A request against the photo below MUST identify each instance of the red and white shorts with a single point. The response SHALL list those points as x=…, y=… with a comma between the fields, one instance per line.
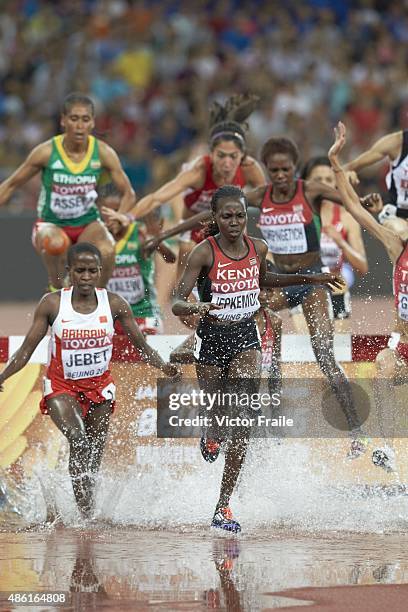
x=72, y=231
x=93, y=391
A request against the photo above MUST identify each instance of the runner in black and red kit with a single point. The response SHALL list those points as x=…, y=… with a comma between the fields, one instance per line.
x=229, y=268
x=290, y=223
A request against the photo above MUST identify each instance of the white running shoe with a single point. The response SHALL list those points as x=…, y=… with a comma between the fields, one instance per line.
x=384, y=458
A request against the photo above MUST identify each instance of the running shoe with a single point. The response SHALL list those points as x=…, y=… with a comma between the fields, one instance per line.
x=358, y=447
x=223, y=520
x=384, y=458
x=210, y=449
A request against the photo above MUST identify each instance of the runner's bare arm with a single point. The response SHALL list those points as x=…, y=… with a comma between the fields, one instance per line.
x=111, y=162
x=200, y=257
x=272, y=279
x=123, y=313
x=154, y=224
x=317, y=192
x=391, y=241
x=44, y=314
x=184, y=180
x=256, y=196
x=387, y=146
x=254, y=175
x=35, y=161
x=192, y=177
x=353, y=248
x=192, y=223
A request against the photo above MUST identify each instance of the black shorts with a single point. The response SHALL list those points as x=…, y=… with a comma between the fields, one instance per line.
x=218, y=345
x=341, y=305
x=295, y=294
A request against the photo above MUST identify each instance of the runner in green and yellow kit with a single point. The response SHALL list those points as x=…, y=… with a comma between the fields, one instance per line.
x=133, y=275
x=71, y=165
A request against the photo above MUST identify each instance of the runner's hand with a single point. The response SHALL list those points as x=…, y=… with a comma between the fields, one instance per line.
x=112, y=216
x=373, y=203
x=353, y=177
x=337, y=146
x=332, y=281
x=203, y=308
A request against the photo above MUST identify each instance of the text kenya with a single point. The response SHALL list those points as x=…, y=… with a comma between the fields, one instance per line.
x=235, y=275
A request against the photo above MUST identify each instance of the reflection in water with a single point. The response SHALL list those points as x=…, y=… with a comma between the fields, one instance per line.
x=117, y=569
x=225, y=552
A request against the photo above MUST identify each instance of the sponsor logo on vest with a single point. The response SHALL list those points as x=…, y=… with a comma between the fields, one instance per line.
x=127, y=272
x=282, y=218
x=69, y=344
x=403, y=286
x=57, y=165
x=220, y=265
x=95, y=164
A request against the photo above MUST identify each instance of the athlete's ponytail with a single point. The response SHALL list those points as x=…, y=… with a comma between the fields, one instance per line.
x=228, y=121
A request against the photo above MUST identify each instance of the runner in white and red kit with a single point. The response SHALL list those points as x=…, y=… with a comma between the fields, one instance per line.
x=79, y=392
x=229, y=269
x=227, y=163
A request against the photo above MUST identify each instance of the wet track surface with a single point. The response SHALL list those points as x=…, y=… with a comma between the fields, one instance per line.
x=115, y=568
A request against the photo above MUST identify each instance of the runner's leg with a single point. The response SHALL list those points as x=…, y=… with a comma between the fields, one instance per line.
x=66, y=413
x=97, y=234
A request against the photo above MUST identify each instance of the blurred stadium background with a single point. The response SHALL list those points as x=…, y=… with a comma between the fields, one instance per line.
x=153, y=67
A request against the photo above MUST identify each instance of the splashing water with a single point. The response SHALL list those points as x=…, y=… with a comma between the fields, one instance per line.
x=277, y=489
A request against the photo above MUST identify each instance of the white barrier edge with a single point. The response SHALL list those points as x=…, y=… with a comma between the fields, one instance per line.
x=295, y=347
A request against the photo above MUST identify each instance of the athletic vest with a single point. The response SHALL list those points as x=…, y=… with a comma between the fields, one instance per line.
x=397, y=179
x=133, y=276
x=400, y=284
x=232, y=283
x=198, y=200
x=81, y=344
x=68, y=190
x=289, y=227
x=330, y=252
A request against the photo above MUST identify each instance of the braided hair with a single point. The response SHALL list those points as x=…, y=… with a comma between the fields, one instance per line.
x=228, y=121
x=226, y=191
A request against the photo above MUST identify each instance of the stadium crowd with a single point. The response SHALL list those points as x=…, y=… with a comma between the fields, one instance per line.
x=153, y=68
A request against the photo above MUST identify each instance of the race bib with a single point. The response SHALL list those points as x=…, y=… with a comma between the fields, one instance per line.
x=403, y=306
x=67, y=203
x=235, y=306
x=131, y=287
x=85, y=357
x=286, y=239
